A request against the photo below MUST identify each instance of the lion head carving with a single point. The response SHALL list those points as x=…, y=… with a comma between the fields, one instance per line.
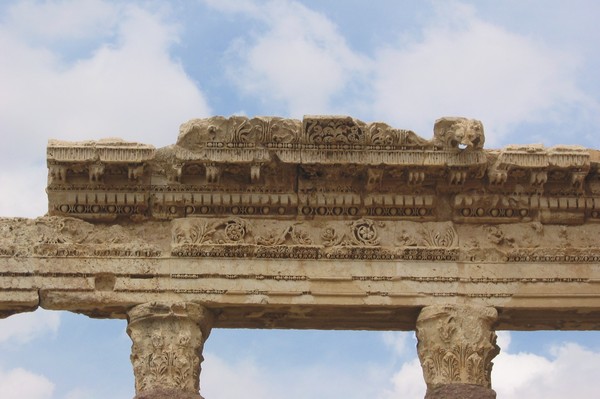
x=457, y=132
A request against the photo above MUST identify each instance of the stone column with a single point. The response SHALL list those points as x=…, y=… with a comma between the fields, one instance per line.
x=167, y=348
x=456, y=345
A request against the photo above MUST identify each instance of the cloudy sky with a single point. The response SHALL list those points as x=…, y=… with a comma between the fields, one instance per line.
x=89, y=69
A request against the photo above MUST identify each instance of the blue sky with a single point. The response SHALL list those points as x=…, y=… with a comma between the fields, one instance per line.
x=89, y=69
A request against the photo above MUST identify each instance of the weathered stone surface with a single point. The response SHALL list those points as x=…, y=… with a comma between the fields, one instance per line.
x=323, y=167
x=456, y=344
x=167, y=394
x=167, y=348
x=328, y=222
x=455, y=132
x=460, y=391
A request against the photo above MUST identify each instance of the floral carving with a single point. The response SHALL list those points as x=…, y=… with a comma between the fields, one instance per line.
x=434, y=235
x=293, y=233
x=235, y=230
x=266, y=130
x=457, y=344
x=364, y=232
x=446, y=238
x=167, y=345
x=330, y=237
x=382, y=134
x=199, y=233
x=327, y=130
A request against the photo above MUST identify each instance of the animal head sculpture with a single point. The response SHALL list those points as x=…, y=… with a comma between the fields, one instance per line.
x=457, y=132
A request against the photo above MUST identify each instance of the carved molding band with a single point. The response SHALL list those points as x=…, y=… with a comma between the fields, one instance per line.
x=323, y=167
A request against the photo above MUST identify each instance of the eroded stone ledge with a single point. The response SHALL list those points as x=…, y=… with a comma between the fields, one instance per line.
x=332, y=167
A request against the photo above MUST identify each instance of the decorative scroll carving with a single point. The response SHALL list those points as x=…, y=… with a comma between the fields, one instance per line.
x=333, y=130
x=442, y=238
x=457, y=344
x=309, y=239
x=382, y=135
x=229, y=231
x=292, y=233
x=211, y=132
x=441, y=235
x=167, y=346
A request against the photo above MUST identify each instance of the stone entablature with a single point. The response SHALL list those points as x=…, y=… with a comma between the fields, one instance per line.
x=324, y=167
x=369, y=274
x=326, y=223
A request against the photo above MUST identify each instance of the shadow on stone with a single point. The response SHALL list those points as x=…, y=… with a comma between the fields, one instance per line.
x=167, y=394
x=460, y=391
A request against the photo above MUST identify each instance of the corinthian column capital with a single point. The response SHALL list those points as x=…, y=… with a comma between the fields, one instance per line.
x=167, y=348
x=456, y=345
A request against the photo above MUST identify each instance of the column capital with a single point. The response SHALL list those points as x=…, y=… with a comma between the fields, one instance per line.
x=456, y=345
x=168, y=339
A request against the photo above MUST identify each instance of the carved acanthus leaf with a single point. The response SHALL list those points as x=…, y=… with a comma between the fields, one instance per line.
x=457, y=344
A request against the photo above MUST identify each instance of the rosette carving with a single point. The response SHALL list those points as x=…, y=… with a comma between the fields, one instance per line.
x=363, y=232
x=235, y=230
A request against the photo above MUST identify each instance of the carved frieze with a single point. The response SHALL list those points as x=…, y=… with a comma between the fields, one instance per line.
x=359, y=239
x=61, y=237
x=246, y=237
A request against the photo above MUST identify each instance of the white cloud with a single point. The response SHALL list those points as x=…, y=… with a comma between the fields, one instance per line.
x=407, y=383
x=466, y=66
x=571, y=373
x=458, y=64
x=19, y=384
x=402, y=342
x=300, y=61
x=128, y=86
x=26, y=197
x=60, y=20
x=250, y=379
x=221, y=380
x=24, y=327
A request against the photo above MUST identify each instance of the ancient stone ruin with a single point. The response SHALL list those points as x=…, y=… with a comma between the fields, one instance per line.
x=326, y=223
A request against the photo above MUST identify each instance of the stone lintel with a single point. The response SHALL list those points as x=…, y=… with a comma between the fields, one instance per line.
x=327, y=293
x=14, y=301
